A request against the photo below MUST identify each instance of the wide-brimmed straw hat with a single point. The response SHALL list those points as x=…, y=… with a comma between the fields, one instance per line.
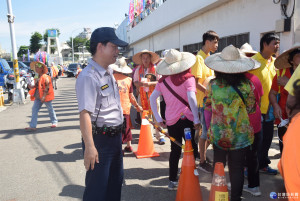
x=121, y=66
x=282, y=61
x=230, y=60
x=247, y=49
x=175, y=62
x=137, y=58
x=40, y=65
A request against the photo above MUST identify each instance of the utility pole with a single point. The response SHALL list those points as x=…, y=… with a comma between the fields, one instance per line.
x=18, y=95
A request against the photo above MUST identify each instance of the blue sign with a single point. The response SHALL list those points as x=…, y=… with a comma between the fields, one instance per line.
x=52, y=33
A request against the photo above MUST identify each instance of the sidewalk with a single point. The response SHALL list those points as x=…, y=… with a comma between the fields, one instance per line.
x=48, y=164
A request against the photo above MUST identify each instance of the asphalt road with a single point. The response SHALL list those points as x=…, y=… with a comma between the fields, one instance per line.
x=48, y=164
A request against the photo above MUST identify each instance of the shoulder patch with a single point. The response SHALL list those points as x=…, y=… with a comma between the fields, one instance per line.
x=104, y=87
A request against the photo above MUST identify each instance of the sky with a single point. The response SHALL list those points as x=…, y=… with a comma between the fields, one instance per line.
x=66, y=15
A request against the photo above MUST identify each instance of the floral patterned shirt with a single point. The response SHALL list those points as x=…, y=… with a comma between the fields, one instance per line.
x=230, y=127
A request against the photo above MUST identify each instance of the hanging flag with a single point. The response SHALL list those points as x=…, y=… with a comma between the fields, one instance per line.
x=23, y=57
x=28, y=54
x=131, y=12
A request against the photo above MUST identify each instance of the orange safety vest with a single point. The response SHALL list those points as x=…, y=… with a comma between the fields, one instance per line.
x=78, y=71
x=124, y=84
x=146, y=95
x=42, y=86
x=54, y=71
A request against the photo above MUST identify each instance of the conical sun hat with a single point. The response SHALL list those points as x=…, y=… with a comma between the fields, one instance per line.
x=121, y=66
x=230, y=60
x=39, y=64
x=282, y=61
x=175, y=62
x=137, y=58
x=249, y=52
x=247, y=49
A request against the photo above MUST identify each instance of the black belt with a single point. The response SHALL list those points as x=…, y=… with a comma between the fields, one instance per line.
x=109, y=130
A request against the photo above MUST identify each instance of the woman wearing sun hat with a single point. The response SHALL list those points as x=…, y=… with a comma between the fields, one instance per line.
x=286, y=63
x=121, y=70
x=41, y=93
x=146, y=60
x=181, y=104
x=231, y=99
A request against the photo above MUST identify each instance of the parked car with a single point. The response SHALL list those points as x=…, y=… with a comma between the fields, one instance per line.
x=72, y=69
x=4, y=70
x=27, y=63
x=22, y=66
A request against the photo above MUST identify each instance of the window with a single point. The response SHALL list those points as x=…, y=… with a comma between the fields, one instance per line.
x=235, y=40
x=192, y=47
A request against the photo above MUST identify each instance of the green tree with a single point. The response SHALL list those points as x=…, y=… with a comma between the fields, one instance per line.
x=35, y=42
x=88, y=46
x=45, y=37
x=22, y=50
x=77, y=42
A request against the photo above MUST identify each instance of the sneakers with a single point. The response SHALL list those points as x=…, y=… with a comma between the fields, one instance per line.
x=128, y=149
x=268, y=170
x=206, y=167
x=209, y=160
x=30, y=129
x=53, y=126
x=162, y=141
x=173, y=185
x=254, y=191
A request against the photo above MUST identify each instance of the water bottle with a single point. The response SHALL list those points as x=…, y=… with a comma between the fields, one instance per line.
x=187, y=134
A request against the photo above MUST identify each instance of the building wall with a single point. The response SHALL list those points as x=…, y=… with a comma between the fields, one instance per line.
x=165, y=29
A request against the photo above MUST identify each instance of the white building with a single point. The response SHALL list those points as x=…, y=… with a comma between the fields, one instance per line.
x=85, y=34
x=181, y=24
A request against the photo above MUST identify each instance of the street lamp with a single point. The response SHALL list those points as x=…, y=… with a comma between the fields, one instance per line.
x=73, y=45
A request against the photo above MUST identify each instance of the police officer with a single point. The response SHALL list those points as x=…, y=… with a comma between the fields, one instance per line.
x=101, y=119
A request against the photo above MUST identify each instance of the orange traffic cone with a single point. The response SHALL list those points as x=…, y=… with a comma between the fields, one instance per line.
x=146, y=146
x=219, y=190
x=189, y=186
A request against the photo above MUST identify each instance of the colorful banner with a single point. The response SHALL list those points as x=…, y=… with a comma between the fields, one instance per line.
x=28, y=54
x=131, y=12
x=23, y=57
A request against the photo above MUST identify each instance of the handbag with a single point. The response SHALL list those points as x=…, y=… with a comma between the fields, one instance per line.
x=176, y=95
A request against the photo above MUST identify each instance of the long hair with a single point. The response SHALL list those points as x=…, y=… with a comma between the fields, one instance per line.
x=234, y=79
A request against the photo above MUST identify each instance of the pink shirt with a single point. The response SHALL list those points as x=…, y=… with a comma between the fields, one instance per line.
x=255, y=118
x=174, y=107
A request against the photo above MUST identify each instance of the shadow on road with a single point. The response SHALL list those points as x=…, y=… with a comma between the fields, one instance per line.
x=62, y=157
x=73, y=191
x=74, y=146
x=20, y=132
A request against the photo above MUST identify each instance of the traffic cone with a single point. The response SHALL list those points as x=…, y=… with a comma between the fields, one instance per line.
x=146, y=146
x=1, y=97
x=188, y=186
x=219, y=190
